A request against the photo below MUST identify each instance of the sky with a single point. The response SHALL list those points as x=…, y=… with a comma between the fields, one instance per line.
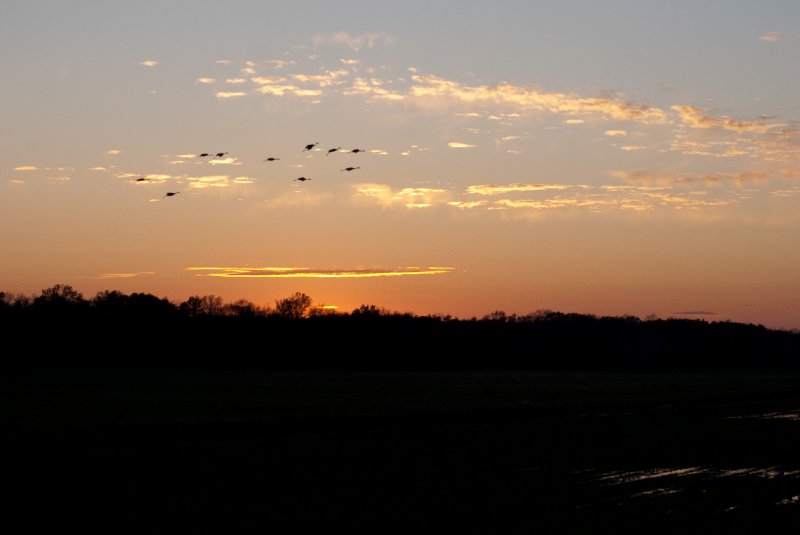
x=608, y=158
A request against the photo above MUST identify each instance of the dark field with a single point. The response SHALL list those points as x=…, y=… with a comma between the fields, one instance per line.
x=484, y=452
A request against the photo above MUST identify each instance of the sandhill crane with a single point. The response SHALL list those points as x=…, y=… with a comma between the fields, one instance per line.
x=140, y=179
x=302, y=179
x=221, y=154
x=171, y=193
x=333, y=150
x=310, y=146
x=350, y=169
x=271, y=159
x=203, y=154
x=357, y=150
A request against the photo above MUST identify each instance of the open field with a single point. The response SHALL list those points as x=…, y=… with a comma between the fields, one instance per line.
x=173, y=451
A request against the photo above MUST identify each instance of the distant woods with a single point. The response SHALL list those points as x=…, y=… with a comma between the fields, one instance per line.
x=62, y=328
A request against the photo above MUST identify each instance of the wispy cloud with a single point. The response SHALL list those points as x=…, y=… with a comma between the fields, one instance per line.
x=531, y=99
x=315, y=273
x=696, y=117
x=354, y=42
x=230, y=94
x=26, y=168
x=236, y=81
x=492, y=189
x=769, y=37
x=206, y=80
x=671, y=179
x=279, y=63
x=124, y=275
x=216, y=181
x=615, y=133
x=149, y=63
x=386, y=196
x=459, y=145
x=113, y=152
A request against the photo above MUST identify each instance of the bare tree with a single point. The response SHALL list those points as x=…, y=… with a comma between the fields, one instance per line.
x=294, y=306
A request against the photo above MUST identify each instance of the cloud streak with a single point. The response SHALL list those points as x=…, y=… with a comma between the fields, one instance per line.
x=313, y=273
x=354, y=42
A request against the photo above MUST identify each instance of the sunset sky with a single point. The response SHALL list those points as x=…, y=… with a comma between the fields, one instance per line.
x=616, y=157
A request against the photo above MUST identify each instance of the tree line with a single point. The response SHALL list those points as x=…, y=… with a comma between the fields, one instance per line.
x=60, y=327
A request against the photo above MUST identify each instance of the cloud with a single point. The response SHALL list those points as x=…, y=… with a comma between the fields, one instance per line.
x=574, y=121
x=278, y=63
x=113, y=152
x=26, y=168
x=769, y=37
x=491, y=189
x=223, y=62
x=324, y=80
x=235, y=81
x=631, y=148
x=124, y=275
x=315, y=273
x=98, y=168
x=531, y=99
x=16, y=181
x=615, y=133
x=458, y=145
x=223, y=161
x=230, y=94
x=206, y=80
x=696, y=117
x=149, y=63
x=671, y=179
x=385, y=196
x=354, y=42
x=203, y=182
x=349, y=61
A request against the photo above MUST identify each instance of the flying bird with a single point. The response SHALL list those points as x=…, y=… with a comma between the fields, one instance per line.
x=333, y=150
x=221, y=154
x=310, y=146
x=203, y=154
x=140, y=179
x=271, y=159
x=302, y=179
x=171, y=193
x=350, y=168
x=357, y=150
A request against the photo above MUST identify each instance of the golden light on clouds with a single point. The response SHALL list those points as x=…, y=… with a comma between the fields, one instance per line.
x=386, y=196
x=105, y=276
x=113, y=152
x=230, y=94
x=492, y=189
x=149, y=63
x=206, y=80
x=312, y=273
x=771, y=37
x=459, y=145
x=26, y=168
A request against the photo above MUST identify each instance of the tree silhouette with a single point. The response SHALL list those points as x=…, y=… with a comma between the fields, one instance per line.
x=207, y=305
x=293, y=307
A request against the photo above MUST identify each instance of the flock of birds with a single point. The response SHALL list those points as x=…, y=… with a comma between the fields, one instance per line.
x=308, y=148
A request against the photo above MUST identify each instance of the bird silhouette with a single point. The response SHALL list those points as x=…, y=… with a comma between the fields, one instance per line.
x=350, y=168
x=140, y=179
x=357, y=150
x=171, y=193
x=310, y=146
x=221, y=154
x=333, y=150
x=203, y=154
x=302, y=179
x=271, y=159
